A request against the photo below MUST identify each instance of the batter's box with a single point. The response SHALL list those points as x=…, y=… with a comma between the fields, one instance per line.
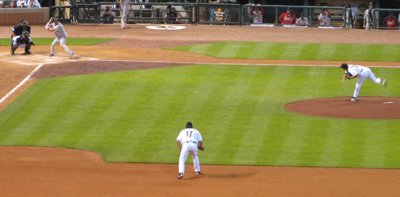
x=40, y=58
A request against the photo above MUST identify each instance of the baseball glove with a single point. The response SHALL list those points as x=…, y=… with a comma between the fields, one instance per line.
x=200, y=148
x=348, y=75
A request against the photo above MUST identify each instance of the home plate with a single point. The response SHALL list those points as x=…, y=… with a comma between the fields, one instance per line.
x=388, y=102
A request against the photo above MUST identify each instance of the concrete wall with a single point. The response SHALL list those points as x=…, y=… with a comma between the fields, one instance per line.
x=35, y=16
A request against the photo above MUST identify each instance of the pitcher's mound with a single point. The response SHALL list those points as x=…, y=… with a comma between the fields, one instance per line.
x=341, y=107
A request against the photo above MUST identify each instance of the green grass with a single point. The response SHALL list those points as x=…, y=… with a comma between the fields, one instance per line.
x=71, y=41
x=297, y=51
x=135, y=116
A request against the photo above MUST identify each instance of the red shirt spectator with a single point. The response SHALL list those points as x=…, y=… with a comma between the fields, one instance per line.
x=287, y=18
x=391, y=21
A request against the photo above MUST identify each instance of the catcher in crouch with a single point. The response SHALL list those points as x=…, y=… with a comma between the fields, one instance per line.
x=361, y=72
x=61, y=36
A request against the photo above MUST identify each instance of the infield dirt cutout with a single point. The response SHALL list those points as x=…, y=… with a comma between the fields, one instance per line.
x=341, y=107
x=35, y=171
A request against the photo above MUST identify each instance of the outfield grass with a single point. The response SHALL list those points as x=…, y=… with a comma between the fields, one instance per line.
x=135, y=116
x=297, y=51
x=71, y=41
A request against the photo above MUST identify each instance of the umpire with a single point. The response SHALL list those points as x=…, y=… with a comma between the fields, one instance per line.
x=21, y=27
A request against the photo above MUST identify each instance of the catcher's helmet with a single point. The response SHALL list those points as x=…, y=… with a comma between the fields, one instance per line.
x=189, y=125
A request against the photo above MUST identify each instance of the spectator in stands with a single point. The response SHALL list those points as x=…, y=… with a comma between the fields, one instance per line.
x=124, y=7
x=398, y=18
x=12, y=4
x=369, y=17
x=391, y=21
x=21, y=4
x=302, y=21
x=324, y=18
x=1, y=4
x=348, y=17
x=212, y=10
x=354, y=12
x=172, y=14
x=108, y=15
x=287, y=18
x=33, y=4
x=257, y=14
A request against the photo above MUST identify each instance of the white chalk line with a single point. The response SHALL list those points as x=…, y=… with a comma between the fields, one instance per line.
x=5, y=97
x=237, y=63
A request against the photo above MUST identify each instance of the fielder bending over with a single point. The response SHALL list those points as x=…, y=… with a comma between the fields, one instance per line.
x=190, y=141
x=61, y=36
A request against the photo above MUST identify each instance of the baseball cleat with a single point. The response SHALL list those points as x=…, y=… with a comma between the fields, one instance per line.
x=180, y=175
x=51, y=55
x=71, y=56
x=353, y=99
x=198, y=173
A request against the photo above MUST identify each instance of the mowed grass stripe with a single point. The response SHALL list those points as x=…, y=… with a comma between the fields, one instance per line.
x=374, y=146
x=237, y=119
x=246, y=154
x=310, y=52
x=119, y=145
x=194, y=101
x=258, y=51
x=57, y=109
x=353, y=147
x=229, y=51
x=275, y=132
x=88, y=115
x=298, y=128
x=306, y=51
x=40, y=108
x=172, y=103
x=293, y=52
x=216, y=121
x=95, y=133
x=68, y=116
x=392, y=148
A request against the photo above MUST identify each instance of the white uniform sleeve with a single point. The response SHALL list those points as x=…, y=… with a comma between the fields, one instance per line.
x=180, y=136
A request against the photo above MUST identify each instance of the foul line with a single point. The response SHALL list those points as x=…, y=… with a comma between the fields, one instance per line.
x=20, y=84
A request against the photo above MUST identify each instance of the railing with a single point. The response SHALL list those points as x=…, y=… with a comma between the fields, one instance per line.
x=218, y=14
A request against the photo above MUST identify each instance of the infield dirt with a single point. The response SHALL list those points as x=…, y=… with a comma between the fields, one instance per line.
x=29, y=171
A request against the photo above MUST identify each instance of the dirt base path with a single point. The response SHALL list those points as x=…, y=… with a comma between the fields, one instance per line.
x=27, y=171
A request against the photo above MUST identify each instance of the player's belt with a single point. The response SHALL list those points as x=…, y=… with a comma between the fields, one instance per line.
x=191, y=141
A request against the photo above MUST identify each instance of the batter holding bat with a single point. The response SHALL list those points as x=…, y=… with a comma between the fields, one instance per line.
x=61, y=36
x=190, y=141
x=361, y=72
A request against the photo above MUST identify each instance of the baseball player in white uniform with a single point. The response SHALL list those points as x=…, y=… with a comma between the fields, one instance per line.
x=360, y=72
x=124, y=7
x=190, y=141
x=61, y=36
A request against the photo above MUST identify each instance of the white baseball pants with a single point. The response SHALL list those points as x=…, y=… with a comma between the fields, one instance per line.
x=124, y=17
x=189, y=147
x=366, y=73
x=62, y=41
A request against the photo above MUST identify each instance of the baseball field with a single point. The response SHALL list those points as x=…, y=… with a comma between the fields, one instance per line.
x=270, y=103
